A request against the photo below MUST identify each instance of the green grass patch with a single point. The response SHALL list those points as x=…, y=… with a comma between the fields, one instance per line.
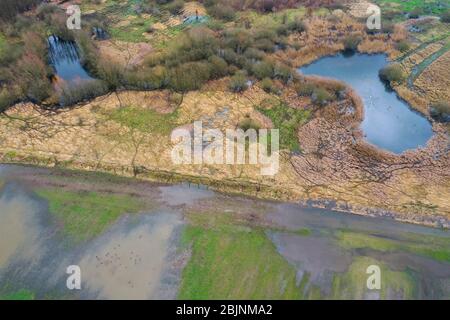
x=437, y=248
x=353, y=283
x=84, y=215
x=287, y=120
x=22, y=294
x=235, y=262
x=304, y=232
x=144, y=120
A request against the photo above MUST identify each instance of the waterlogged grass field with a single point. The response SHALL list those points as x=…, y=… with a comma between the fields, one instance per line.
x=235, y=263
x=85, y=215
x=353, y=284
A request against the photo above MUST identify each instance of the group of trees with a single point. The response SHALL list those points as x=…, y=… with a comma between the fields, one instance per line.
x=24, y=69
x=201, y=54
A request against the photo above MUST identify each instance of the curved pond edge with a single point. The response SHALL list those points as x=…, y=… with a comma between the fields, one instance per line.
x=436, y=127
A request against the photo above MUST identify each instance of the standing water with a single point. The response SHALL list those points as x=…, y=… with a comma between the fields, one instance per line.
x=389, y=122
x=65, y=58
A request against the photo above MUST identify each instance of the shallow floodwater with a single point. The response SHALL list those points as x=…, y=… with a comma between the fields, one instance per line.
x=389, y=122
x=65, y=58
x=141, y=256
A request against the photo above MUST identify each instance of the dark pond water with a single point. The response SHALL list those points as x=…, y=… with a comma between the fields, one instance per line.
x=389, y=122
x=65, y=58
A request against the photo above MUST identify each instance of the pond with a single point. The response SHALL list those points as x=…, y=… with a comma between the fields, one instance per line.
x=65, y=59
x=389, y=122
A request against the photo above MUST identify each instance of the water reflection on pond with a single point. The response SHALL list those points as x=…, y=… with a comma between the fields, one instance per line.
x=65, y=58
x=388, y=122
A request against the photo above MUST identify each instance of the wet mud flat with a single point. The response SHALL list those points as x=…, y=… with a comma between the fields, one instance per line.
x=145, y=255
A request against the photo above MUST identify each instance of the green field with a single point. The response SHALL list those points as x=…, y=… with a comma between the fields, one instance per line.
x=235, y=263
x=84, y=215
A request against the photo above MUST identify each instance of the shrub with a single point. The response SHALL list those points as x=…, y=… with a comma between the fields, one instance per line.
x=268, y=86
x=33, y=77
x=402, y=46
x=254, y=54
x=440, y=111
x=189, y=76
x=85, y=90
x=199, y=43
x=263, y=69
x=445, y=17
x=297, y=25
x=321, y=96
x=265, y=45
x=146, y=79
x=392, y=73
x=88, y=52
x=7, y=98
x=219, y=67
x=351, y=42
x=222, y=12
x=283, y=72
x=238, y=40
x=238, y=82
x=305, y=89
x=175, y=6
x=112, y=74
x=248, y=123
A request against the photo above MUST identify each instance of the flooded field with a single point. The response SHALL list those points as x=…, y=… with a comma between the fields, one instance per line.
x=137, y=240
x=65, y=59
